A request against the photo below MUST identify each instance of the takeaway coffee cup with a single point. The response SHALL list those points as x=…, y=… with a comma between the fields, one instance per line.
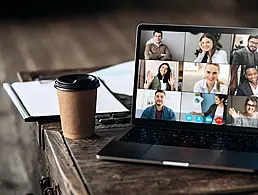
x=77, y=96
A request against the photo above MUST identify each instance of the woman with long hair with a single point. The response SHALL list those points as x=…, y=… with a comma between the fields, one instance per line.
x=211, y=82
x=249, y=118
x=217, y=111
x=164, y=80
x=208, y=52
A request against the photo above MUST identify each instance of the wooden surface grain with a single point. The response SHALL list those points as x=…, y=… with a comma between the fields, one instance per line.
x=107, y=177
x=61, y=167
x=110, y=177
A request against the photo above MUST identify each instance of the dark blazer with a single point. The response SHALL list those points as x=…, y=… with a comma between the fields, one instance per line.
x=244, y=89
x=212, y=110
x=240, y=57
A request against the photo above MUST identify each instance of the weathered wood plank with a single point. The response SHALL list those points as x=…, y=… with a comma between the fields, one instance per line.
x=61, y=167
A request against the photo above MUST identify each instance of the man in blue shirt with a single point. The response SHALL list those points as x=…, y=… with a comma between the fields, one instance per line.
x=159, y=111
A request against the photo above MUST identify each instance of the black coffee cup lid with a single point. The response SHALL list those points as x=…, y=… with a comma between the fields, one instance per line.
x=76, y=82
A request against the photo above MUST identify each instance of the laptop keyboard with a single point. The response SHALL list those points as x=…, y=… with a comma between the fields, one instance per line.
x=204, y=140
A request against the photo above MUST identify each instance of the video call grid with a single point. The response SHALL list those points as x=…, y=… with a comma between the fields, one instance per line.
x=233, y=38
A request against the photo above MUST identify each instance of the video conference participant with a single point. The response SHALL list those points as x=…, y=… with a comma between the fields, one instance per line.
x=159, y=111
x=164, y=80
x=209, y=53
x=249, y=87
x=247, y=56
x=218, y=109
x=155, y=49
x=247, y=119
x=211, y=83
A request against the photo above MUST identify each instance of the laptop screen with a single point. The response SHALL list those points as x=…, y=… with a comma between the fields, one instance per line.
x=197, y=75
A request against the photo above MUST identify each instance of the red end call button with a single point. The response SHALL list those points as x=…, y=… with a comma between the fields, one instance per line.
x=219, y=120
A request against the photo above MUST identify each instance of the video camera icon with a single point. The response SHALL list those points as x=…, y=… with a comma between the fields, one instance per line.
x=208, y=119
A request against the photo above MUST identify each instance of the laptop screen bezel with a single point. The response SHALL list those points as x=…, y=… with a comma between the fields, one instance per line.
x=191, y=29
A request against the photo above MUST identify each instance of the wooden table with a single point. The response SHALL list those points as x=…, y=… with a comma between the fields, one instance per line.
x=73, y=168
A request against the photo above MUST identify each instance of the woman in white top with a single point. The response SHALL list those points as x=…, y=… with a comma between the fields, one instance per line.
x=211, y=83
x=217, y=111
x=247, y=119
x=209, y=53
x=164, y=80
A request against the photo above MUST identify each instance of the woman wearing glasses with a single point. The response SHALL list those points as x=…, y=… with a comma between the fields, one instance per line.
x=247, y=119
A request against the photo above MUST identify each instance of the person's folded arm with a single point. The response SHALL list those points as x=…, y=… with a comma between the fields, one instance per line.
x=148, y=55
x=168, y=55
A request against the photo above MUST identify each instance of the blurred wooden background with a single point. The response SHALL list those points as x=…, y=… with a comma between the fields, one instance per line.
x=70, y=34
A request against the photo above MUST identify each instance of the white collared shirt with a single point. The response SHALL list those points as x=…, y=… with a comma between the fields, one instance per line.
x=255, y=91
x=201, y=87
x=153, y=41
x=160, y=43
x=219, y=57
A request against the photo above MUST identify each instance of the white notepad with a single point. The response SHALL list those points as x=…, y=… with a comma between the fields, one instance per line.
x=38, y=99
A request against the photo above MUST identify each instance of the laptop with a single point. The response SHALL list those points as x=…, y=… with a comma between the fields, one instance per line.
x=194, y=99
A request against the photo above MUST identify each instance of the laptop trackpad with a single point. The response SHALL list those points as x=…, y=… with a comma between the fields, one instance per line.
x=124, y=150
x=180, y=154
x=240, y=160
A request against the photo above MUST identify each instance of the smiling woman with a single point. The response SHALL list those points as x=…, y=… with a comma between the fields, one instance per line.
x=249, y=118
x=211, y=83
x=164, y=80
x=208, y=52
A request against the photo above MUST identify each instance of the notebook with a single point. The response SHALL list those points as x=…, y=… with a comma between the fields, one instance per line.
x=37, y=100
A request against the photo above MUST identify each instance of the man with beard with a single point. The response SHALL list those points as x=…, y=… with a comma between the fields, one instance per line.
x=155, y=49
x=247, y=56
x=249, y=86
x=159, y=111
